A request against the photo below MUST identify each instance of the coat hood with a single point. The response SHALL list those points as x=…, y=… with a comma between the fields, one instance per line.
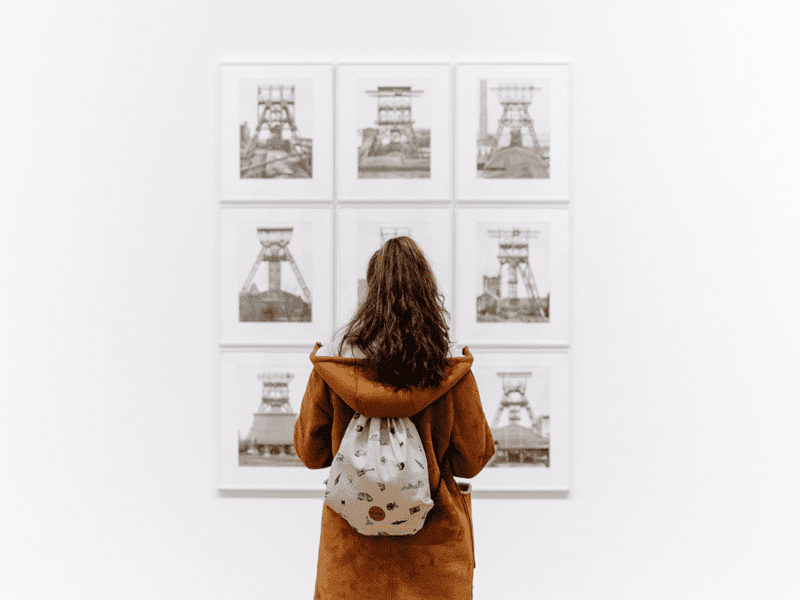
x=346, y=377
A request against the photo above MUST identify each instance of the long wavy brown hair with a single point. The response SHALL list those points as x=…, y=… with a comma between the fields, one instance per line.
x=400, y=326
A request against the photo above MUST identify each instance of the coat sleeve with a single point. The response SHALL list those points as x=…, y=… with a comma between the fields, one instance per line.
x=312, y=430
x=471, y=440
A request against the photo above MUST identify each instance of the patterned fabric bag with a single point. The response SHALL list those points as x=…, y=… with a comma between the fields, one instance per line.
x=378, y=481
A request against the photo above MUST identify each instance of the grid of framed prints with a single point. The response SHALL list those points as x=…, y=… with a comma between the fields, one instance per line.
x=320, y=165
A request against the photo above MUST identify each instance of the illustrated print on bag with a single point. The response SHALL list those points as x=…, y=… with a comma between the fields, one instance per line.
x=412, y=486
x=365, y=496
x=335, y=481
x=350, y=479
x=401, y=466
x=421, y=466
x=413, y=510
x=382, y=486
x=359, y=428
x=360, y=452
x=340, y=457
x=369, y=522
x=356, y=416
x=399, y=522
x=383, y=460
x=391, y=429
x=373, y=437
x=360, y=472
x=392, y=505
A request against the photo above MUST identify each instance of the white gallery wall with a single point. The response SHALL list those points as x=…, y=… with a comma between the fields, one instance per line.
x=685, y=383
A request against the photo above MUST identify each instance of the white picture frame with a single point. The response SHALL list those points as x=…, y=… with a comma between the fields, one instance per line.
x=254, y=435
x=378, y=157
x=361, y=230
x=512, y=131
x=502, y=302
x=262, y=159
x=262, y=300
x=529, y=455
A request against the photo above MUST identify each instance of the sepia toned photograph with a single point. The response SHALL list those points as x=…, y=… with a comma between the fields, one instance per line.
x=276, y=129
x=269, y=440
x=394, y=129
x=525, y=397
x=362, y=232
x=261, y=392
x=275, y=288
x=394, y=132
x=520, y=422
x=276, y=263
x=512, y=269
x=277, y=132
x=513, y=140
x=513, y=272
x=512, y=132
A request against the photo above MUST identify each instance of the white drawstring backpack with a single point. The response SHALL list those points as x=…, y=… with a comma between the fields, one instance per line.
x=378, y=481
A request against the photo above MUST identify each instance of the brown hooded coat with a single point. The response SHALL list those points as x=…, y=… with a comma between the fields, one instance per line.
x=436, y=563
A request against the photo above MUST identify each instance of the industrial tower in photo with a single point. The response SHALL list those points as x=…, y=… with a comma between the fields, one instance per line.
x=274, y=304
x=271, y=437
x=513, y=258
x=516, y=443
x=275, y=149
x=394, y=148
x=514, y=152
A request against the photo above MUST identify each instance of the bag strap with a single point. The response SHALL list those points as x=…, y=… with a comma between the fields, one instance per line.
x=445, y=457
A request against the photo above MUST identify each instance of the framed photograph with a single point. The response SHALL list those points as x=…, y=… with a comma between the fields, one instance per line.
x=361, y=231
x=275, y=280
x=525, y=397
x=260, y=397
x=393, y=132
x=512, y=132
x=512, y=267
x=277, y=132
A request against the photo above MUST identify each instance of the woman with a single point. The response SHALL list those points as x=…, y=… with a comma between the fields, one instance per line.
x=392, y=361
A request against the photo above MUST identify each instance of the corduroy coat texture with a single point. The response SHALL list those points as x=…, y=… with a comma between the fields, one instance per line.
x=437, y=562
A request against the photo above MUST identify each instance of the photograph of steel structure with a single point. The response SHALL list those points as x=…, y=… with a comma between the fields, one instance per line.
x=518, y=147
x=512, y=274
x=525, y=397
x=272, y=143
x=274, y=303
x=394, y=129
x=276, y=132
x=362, y=231
x=276, y=274
x=512, y=135
x=522, y=434
x=512, y=254
x=260, y=394
x=270, y=440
